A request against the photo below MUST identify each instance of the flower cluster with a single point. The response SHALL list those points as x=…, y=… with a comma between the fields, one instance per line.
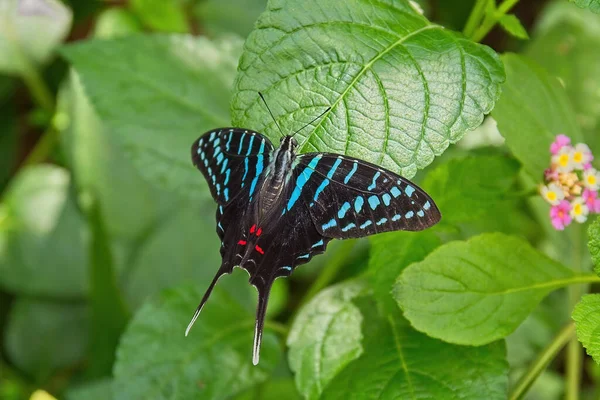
x=571, y=183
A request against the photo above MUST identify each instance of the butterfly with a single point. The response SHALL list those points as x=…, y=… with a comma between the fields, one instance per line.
x=276, y=209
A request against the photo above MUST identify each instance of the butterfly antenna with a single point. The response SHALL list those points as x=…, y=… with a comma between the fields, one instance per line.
x=220, y=273
x=320, y=115
x=274, y=120
x=261, y=313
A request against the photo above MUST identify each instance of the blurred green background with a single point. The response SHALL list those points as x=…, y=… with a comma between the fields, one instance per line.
x=73, y=206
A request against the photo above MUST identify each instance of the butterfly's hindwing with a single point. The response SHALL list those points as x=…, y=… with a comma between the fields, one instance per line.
x=349, y=198
x=231, y=160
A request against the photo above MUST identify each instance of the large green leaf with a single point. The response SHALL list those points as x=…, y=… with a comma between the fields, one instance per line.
x=43, y=336
x=156, y=361
x=157, y=94
x=42, y=235
x=478, y=291
x=533, y=109
x=30, y=31
x=587, y=322
x=131, y=207
x=400, y=88
x=593, y=5
x=567, y=44
x=390, y=254
x=401, y=363
x=325, y=337
x=467, y=189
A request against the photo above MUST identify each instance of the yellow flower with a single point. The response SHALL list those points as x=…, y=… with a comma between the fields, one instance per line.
x=579, y=210
x=591, y=179
x=552, y=193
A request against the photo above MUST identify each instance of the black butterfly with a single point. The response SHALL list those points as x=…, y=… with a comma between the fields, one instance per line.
x=277, y=209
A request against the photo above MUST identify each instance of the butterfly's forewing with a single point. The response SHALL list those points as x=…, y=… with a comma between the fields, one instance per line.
x=231, y=160
x=349, y=198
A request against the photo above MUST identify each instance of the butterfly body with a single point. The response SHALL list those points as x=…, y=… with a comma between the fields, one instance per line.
x=277, y=209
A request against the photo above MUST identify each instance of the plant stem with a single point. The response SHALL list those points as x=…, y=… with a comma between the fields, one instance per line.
x=492, y=19
x=574, y=355
x=542, y=361
x=43, y=147
x=37, y=87
x=477, y=14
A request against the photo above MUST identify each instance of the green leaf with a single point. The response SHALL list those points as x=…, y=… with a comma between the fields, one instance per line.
x=401, y=363
x=131, y=206
x=594, y=243
x=592, y=5
x=157, y=106
x=478, y=291
x=533, y=109
x=213, y=362
x=184, y=248
x=390, y=254
x=220, y=17
x=400, y=88
x=42, y=336
x=42, y=235
x=325, y=337
x=566, y=42
x=511, y=24
x=116, y=22
x=468, y=189
x=30, y=31
x=586, y=315
x=98, y=390
x=161, y=15
x=108, y=312
x=274, y=389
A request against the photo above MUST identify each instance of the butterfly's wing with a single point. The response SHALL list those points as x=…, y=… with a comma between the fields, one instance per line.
x=231, y=160
x=350, y=198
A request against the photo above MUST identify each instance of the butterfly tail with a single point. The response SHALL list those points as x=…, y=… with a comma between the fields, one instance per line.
x=222, y=271
x=261, y=312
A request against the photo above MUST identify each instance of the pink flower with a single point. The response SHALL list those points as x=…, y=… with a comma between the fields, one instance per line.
x=559, y=142
x=592, y=200
x=559, y=215
x=551, y=174
x=587, y=166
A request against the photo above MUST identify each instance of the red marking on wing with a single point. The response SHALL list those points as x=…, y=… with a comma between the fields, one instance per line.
x=253, y=228
x=242, y=242
x=259, y=231
x=260, y=250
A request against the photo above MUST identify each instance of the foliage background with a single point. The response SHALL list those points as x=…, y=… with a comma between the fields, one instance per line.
x=107, y=237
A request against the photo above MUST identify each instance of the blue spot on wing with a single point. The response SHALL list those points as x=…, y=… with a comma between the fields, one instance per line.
x=373, y=184
x=367, y=223
x=409, y=190
x=330, y=224
x=302, y=179
x=358, y=203
x=343, y=209
x=348, y=227
x=319, y=243
x=352, y=171
x=409, y=214
x=395, y=192
x=374, y=202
